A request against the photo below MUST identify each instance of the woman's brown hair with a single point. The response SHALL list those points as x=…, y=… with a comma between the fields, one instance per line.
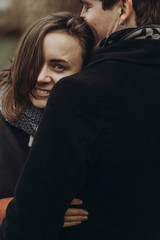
x=21, y=77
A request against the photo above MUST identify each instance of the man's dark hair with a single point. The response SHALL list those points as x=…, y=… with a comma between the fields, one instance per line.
x=147, y=11
x=108, y=3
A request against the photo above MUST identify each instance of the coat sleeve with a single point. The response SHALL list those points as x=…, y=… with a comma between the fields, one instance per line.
x=56, y=167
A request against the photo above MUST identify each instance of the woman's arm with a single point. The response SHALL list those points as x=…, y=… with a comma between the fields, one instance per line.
x=72, y=217
x=3, y=205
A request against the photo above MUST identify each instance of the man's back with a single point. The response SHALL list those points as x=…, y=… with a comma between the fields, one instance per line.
x=121, y=189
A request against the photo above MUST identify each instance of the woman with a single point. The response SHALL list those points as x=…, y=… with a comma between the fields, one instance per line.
x=53, y=47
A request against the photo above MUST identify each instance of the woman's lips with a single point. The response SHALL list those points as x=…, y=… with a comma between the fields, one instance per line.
x=40, y=92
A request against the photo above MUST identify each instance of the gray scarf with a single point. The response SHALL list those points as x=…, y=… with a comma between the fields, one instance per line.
x=29, y=120
x=144, y=32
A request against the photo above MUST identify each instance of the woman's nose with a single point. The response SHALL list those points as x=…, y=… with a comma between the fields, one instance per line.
x=44, y=75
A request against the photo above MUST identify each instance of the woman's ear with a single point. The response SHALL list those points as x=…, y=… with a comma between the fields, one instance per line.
x=126, y=10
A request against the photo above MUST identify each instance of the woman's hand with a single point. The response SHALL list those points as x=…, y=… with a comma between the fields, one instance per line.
x=3, y=205
x=75, y=216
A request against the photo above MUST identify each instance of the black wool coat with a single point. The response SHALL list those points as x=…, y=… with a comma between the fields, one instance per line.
x=13, y=153
x=99, y=140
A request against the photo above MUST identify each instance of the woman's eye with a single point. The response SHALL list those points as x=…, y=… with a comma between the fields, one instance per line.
x=59, y=67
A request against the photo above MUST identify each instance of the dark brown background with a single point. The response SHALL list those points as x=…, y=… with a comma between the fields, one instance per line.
x=17, y=15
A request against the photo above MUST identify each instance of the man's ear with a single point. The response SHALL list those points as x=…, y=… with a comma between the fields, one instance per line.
x=126, y=10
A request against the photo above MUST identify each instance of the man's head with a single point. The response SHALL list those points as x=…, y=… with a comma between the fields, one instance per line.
x=107, y=16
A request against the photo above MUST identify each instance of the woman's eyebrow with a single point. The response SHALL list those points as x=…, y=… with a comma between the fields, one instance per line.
x=57, y=60
x=61, y=61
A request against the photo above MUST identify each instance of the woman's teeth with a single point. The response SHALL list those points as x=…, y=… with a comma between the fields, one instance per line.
x=42, y=91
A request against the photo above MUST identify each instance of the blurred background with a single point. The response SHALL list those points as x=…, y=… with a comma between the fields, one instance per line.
x=17, y=15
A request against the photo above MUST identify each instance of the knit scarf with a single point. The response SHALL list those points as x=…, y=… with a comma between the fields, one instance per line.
x=29, y=120
x=144, y=32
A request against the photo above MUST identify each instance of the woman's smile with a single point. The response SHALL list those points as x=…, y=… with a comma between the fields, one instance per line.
x=40, y=93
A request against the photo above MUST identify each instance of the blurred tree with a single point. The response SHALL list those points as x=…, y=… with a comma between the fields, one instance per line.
x=30, y=10
x=17, y=15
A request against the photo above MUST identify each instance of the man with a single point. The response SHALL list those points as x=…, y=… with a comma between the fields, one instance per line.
x=101, y=141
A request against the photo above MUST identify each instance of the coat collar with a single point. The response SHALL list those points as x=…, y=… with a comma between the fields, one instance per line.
x=144, y=32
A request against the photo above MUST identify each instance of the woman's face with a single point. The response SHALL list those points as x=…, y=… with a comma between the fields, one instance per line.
x=62, y=57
